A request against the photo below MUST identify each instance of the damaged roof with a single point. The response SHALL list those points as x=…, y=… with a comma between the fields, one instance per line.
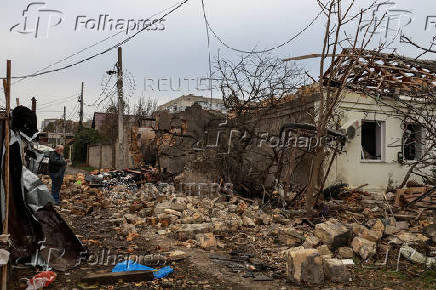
x=383, y=74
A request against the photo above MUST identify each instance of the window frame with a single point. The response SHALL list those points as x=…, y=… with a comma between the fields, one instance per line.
x=421, y=137
x=382, y=142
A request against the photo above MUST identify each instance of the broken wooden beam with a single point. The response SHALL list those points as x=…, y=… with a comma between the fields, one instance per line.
x=112, y=277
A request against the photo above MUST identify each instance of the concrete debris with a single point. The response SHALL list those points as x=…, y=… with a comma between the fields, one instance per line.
x=395, y=227
x=370, y=235
x=311, y=242
x=206, y=241
x=245, y=237
x=305, y=265
x=336, y=271
x=345, y=253
x=324, y=251
x=333, y=233
x=430, y=231
x=363, y=247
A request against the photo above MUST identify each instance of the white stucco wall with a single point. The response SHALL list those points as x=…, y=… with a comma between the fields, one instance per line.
x=349, y=167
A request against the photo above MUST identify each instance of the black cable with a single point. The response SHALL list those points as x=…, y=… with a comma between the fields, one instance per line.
x=48, y=104
x=258, y=51
x=208, y=49
x=73, y=112
x=88, y=47
x=107, y=49
x=105, y=87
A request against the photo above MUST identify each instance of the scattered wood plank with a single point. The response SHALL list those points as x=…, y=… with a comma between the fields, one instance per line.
x=422, y=197
x=133, y=171
x=112, y=277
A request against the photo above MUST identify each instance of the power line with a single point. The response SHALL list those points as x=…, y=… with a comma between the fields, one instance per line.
x=48, y=104
x=109, y=93
x=73, y=112
x=88, y=47
x=105, y=87
x=107, y=49
x=208, y=49
x=258, y=51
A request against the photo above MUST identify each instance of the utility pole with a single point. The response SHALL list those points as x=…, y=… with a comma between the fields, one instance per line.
x=120, y=109
x=7, y=89
x=65, y=125
x=81, y=108
x=33, y=104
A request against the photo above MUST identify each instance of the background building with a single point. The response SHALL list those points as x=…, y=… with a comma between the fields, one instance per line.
x=181, y=103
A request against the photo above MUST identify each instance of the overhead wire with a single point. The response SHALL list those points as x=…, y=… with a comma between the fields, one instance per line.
x=257, y=51
x=89, y=47
x=73, y=112
x=127, y=39
x=104, y=88
x=58, y=100
x=208, y=49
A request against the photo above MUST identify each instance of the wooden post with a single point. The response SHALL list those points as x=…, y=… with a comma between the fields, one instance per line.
x=7, y=88
x=120, y=148
x=65, y=126
x=33, y=104
x=81, y=108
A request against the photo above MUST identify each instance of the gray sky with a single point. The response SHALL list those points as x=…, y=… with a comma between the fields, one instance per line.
x=177, y=52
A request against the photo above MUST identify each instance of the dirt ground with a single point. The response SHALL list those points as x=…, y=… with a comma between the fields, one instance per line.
x=196, y=270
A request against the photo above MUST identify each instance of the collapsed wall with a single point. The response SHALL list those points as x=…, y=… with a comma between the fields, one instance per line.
x=245, y=150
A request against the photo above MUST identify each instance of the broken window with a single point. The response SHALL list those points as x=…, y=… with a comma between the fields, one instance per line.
x=412, y=142
x=372, y=140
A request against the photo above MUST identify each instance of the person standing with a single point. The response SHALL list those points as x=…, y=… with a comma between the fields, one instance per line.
x=56, y=166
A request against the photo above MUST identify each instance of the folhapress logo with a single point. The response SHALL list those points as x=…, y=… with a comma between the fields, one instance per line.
x=38, y=20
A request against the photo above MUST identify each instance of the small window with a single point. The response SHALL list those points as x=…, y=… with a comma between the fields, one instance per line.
x=412, y=138
x=372, y=140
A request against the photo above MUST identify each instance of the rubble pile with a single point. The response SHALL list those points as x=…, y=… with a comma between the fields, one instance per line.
x=257, y=240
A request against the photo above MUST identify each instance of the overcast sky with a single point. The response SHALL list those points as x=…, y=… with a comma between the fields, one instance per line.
x=175, y=51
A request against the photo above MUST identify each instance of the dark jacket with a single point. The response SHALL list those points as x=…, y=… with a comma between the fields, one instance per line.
x=56, y=163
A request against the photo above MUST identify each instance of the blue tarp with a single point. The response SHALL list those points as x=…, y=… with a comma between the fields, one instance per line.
x=132, y=266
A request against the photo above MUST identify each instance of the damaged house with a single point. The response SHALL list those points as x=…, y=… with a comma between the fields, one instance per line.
x=271, y=146
x=386, y=120
x=138, y=131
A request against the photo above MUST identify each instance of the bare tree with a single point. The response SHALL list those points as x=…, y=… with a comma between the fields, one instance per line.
x=254, y=89
x=256, y=81
x=145, y=107
x=332, y=82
